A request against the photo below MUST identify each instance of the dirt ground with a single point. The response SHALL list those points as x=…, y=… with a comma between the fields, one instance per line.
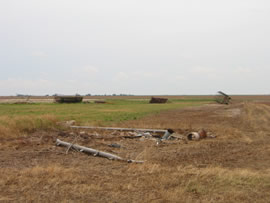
x=233, y=167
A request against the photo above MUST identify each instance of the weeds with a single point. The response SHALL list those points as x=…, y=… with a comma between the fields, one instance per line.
x=17, y=125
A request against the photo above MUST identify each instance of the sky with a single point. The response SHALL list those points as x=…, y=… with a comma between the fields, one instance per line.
x=142, y=47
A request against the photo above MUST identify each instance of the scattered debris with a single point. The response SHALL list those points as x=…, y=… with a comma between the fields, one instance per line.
x=143, y=134
x=134, y=136
x=142, y=139
x=176, y=136
x=223, y=98
x=82, y=133
x=201, y=134
x=70, y=123
x=211, y=136
x=158, y=141
x=68, y=99
x=120, y=129
x=167, y=134
x=114, y=133
x=147, y=135
x=193, y=136
x=156, y=100
x=115, y=145
x=94, y=152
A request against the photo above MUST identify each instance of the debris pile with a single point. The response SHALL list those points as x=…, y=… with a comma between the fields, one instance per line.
x=157, y=135
x=223, y=98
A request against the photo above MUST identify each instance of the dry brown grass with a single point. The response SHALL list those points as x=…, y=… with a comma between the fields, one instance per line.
x=234, y=167
x=147, y=182
x=15, y=126
x=257, y=117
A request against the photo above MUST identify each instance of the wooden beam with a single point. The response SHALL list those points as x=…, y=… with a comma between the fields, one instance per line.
x=121, y=129
x=94, y=152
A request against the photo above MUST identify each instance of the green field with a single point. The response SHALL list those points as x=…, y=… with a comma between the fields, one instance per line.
x=89, y=113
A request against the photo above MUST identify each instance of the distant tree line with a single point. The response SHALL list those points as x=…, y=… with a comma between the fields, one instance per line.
x=47, y=95
x=106, y=95
x=23, y=95
x=110, y=95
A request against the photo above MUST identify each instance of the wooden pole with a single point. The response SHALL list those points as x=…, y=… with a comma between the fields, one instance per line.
x=94, y=152
x=121, y=129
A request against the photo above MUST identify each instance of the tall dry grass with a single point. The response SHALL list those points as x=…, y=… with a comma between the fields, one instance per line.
x=11, y=127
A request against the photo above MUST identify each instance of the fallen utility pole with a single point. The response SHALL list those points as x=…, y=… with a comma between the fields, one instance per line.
x=121, y=129
x=94, y=151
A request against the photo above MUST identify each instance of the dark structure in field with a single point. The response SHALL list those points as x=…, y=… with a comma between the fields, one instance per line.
x=223, y=98
x=156, y=100
x=68, y=99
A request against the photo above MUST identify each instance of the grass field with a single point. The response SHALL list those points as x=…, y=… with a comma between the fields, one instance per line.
x=113, y=111
x=233, y=167
x=23, y=118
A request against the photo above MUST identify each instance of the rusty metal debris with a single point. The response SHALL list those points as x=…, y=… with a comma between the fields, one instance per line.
x=201, y=134
x=68, y=99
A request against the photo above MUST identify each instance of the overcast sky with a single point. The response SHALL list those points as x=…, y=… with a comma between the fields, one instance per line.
x=134, y=46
